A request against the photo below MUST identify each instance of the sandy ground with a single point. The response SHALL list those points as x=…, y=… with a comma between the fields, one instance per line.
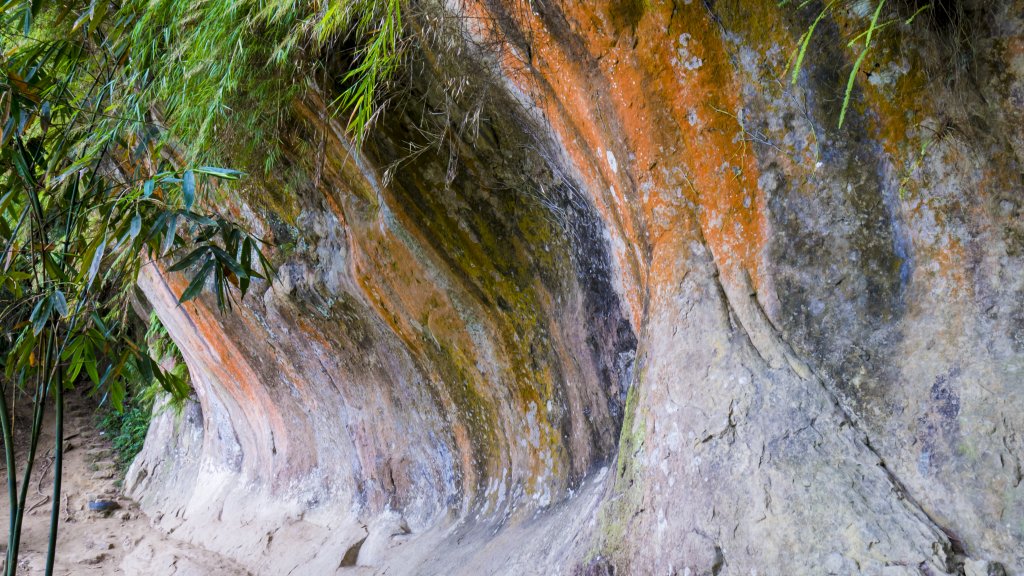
x=118, y=542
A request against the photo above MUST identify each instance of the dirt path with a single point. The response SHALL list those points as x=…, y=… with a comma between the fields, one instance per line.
x=121, y=541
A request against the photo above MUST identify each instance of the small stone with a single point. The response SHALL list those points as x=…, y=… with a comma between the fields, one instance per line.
x=126, y=515
x=103, y=475
x=91, y=559
x=103, y=505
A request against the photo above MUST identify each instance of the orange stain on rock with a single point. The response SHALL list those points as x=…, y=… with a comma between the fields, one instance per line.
x=197, y=331
x=649, y=114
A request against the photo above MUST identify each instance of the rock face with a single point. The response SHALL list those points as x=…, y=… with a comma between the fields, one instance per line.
x=649, y=311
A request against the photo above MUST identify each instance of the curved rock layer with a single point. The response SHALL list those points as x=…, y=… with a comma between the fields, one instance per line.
x=647, y=311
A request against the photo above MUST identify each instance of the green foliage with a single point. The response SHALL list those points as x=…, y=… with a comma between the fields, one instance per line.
x=90, y=191
x=127, y=429
x=234, y=67
x=159, y=342
x=109, y=115
x=160, y=346
x=868, y=35
x=862, y=39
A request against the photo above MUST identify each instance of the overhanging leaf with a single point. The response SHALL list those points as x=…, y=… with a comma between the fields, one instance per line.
x=225, y=173
x=60, y=303
x=196, y=286
x=172, y=227
x=136, y=226
x=94, y=264
x=40, y=314
x=190, y=259
x=188, y=188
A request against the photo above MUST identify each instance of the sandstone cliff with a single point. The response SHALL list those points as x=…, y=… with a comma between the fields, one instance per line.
x=647, y=311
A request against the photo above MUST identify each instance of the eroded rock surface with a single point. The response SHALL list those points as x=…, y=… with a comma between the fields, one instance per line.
x=652, y=313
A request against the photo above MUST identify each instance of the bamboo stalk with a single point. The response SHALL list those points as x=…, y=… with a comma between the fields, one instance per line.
x=12, y=480
x=58, y=466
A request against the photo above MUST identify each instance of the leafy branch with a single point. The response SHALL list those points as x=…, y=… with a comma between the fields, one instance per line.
x=88, y=197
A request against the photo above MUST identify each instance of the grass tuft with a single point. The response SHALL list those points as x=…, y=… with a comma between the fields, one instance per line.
x=942, y=15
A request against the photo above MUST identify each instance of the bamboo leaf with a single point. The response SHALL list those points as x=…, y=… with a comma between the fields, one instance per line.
x=94, y=264
x=97, y=13
x=199, y=219
x=229, y=262
x=219, y=288
x=40, y=314
x=225, y=173
x=90, y=369
x=190, y=259
x=172, y=227
x=60, y=303
x=188, y=188
x=196, y=286
x=75, y=366
x=146, y=367
x=136, y=226
x=246, y=262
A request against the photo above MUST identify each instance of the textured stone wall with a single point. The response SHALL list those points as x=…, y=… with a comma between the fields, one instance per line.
x=653, y=312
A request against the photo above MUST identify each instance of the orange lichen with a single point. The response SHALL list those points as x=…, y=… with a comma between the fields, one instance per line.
x=627, y=106
x=398, y=260
x=197, y=331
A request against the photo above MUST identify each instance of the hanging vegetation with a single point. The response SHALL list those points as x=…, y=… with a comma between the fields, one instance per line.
x=109, y=113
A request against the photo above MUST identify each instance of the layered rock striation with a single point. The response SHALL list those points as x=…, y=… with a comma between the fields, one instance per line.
x=606, y=293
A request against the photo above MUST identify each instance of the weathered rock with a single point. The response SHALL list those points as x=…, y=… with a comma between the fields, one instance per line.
x=103, y=505
x=983, y=568
x=659, y=316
